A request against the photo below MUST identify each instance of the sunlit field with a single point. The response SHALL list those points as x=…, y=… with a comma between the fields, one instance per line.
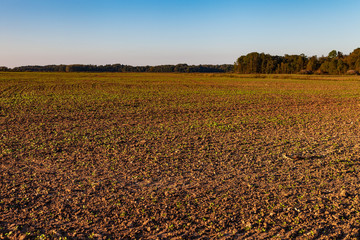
x=149, y=155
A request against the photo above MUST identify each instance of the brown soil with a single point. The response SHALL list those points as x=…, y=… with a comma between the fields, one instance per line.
x=188, y=158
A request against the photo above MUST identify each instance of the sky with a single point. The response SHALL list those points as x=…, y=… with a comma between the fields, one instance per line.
x=156, y=32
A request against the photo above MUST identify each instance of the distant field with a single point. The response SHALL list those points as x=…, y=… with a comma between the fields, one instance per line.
x=146, y=156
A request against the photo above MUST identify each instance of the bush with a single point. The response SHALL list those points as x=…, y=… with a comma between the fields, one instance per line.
x=352, y=72
x=306, y=72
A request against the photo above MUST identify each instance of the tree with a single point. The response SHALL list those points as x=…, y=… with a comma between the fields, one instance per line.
x=341, y=67
x=332, y=54
x=313, y=64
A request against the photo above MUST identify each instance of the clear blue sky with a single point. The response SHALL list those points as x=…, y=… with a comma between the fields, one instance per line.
x=153, y=32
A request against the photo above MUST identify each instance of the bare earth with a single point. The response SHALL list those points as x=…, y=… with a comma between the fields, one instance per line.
x=179, y=156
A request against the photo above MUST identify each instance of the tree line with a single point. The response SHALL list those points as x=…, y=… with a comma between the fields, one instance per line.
x=180, y=68
x=335, y=63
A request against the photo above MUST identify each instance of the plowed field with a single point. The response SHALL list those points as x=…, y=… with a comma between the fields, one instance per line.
x=186, y=156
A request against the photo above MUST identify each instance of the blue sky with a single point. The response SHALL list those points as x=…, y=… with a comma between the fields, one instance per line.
x=154, y=32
